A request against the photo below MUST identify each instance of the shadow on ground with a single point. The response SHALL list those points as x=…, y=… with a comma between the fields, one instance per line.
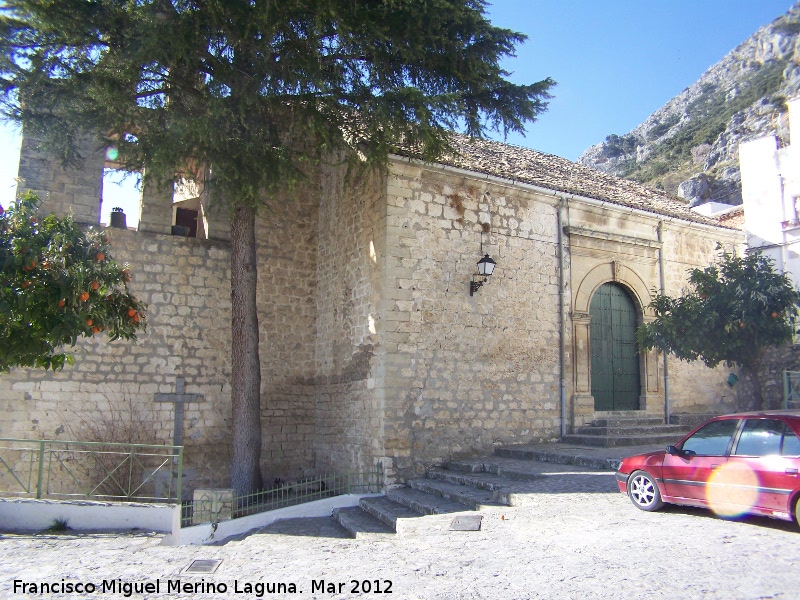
x=305, y=527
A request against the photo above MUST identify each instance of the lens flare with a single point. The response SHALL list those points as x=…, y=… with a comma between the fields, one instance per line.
x=732, y=490
x=112, y=153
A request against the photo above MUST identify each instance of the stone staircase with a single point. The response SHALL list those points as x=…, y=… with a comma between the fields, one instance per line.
x=512, y=476
x=612, y=432
x=462, y=486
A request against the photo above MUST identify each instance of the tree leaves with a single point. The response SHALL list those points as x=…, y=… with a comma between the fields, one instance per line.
x=731, y=313
x=257, y=89
x=58, y=283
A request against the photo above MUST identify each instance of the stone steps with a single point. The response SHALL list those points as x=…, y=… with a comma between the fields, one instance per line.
x=623, y=431
x=402, y=519
x=505, y=468
x=627, y=421
x=514, y=475
x=471, y=498
x=360, y=524
x=426, y=503
x=690, y=421
x=618, y=442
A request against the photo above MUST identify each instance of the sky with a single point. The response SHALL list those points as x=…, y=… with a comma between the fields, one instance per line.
x=615, y=61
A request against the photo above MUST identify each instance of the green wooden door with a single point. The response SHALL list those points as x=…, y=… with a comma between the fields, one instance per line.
x=615, y=358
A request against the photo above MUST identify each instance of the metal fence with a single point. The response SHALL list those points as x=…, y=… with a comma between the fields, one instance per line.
x=791, y=387
x=60, y=469
x=326, y=485
x=90, y=470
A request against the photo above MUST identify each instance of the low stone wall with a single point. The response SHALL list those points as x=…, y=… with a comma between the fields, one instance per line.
x=19, y=514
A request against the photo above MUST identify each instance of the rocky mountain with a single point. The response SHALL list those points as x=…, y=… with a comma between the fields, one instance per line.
x=690, y=146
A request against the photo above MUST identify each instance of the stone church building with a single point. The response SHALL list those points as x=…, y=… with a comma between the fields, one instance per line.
x=374, y=345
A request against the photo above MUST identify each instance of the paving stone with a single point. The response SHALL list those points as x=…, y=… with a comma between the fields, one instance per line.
x=578, y=539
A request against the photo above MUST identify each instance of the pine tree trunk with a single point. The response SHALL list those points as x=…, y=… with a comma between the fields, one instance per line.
x=246, y=365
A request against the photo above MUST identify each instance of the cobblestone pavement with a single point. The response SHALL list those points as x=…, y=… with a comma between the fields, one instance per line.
x=574, y=537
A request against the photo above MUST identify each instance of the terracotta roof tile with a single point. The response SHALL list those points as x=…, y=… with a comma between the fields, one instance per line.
x=559, y=174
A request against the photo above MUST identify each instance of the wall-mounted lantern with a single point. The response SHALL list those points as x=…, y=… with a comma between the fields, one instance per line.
x=485, y=269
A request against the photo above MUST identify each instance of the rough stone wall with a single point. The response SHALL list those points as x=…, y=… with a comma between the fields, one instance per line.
x=775, y=362
x=109, y=390
x=351, y=252
x=64, y=190
x=694, y=388
x=287, y=271
x=464, y=373
x=186, y=283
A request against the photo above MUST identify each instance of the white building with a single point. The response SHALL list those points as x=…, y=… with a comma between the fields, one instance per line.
x=771, y=195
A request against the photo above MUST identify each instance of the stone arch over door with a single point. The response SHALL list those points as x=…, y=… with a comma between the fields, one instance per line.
x=613, y=271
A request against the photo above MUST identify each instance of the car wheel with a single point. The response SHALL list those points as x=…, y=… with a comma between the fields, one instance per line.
x=797, y=511
x=643, y=491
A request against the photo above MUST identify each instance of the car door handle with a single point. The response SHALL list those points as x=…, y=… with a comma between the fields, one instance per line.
x=791, y=471
x=714, y=467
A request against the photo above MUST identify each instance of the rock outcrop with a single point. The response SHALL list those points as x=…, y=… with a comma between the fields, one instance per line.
x=690, y=146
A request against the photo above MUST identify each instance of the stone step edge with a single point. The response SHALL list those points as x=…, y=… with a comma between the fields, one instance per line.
x=592, y=462
x=471, y=498
x=400, y=523
x=622, y=422
x=424, y=503
x=486, y=467
x=477, y=479
x=360, y=524
x=596, y=441
x=627, y=431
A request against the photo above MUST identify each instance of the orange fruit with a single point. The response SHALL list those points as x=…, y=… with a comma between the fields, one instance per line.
x=61, y=303
x=89, y=322
x=96, y=329
x=131, y=312
x=136, y=318
x=84, y=296
x=774, y=315
x=100, y=256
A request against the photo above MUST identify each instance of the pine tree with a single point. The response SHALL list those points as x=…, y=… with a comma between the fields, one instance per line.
x=256, y=89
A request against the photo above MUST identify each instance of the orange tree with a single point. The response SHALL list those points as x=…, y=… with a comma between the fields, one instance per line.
x=58, y=282
x=732, y=312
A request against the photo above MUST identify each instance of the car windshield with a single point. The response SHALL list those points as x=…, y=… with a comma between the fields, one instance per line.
x=712, y=439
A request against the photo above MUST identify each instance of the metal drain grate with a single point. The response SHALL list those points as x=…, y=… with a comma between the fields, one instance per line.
x=467, y=523
x=205, y=567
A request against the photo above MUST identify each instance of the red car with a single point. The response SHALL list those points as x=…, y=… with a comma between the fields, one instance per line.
x=733, y=464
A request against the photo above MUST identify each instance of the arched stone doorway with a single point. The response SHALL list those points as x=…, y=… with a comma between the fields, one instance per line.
x=615, y=362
